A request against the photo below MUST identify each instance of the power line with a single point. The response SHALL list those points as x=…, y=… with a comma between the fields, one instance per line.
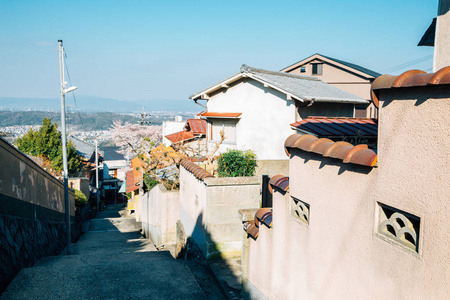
x=408, y=64
x=73, y=94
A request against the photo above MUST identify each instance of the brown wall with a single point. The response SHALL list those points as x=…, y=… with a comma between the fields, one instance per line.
x=23, y=182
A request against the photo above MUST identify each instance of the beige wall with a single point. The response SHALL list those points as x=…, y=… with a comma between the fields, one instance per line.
x=209, y=211
x=442, y=37
x=81, y=184
x=159, y=215
x=340, y=78
x=340, y=254
x=23, y=180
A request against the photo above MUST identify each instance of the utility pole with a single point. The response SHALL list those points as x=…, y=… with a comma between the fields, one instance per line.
x=63, y=92
x=143, y=115
x=96, y=175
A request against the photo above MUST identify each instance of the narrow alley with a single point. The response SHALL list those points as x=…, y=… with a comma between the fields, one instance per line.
x=111, y=261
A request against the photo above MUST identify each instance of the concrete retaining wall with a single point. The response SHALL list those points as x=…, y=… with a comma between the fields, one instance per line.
x=159, y=215
x=209, y=211
x=32, y=220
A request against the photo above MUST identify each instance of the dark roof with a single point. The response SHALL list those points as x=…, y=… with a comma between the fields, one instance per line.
x=111, y=153
x=84, y=149
x=354, y=66
x=338, y=127
x=428, y=37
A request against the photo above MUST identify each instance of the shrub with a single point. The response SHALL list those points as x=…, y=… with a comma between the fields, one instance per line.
x=235, y=163
x=150, y=181
x=80, y=199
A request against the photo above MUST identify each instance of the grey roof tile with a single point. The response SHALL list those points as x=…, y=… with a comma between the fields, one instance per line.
x=302, y=87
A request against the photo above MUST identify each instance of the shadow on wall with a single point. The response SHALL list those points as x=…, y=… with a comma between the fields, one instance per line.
x=227, y=272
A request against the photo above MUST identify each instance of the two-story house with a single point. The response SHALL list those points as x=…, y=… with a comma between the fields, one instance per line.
x=255, y=107
x=347, y=76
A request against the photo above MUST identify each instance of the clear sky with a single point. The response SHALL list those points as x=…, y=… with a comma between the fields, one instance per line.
x=142, y=50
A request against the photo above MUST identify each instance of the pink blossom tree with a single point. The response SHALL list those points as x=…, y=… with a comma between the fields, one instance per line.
x=138, y=139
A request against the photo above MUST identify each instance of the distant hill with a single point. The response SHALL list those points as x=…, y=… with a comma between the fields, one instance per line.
x=97, y=104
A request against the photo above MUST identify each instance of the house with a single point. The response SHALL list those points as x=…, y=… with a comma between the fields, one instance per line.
x=170, y=127
x=255, y=107
x=191, y=138
x=352, y=223
x=344, y=75
x=134, y=181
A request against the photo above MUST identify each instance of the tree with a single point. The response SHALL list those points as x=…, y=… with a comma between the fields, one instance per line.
x=138, y=138
x=47, y=143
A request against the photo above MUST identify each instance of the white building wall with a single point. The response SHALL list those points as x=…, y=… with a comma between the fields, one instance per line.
x=264, y=124
x=170, y=127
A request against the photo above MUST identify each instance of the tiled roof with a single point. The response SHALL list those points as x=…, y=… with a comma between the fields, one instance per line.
x=359, y=154
x=180, y=136
x=354, y=66
x=318, y=56
x=412, y=78
x=131, y=186
x=336, y=127
x=111, y=153
x=84, y=149
x=197, y=126
x=279, y=181
x=198, y=172
x=264, y=216
x=221, y=115
x=304, y=88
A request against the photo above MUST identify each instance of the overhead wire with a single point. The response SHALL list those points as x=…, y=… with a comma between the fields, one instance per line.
x=408, y=64
x=73, y=94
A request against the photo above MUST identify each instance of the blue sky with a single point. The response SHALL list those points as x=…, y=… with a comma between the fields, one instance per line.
x=142, y=50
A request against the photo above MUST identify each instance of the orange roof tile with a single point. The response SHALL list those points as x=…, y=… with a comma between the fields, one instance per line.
x=198, y=172
x=180, y=136
x=197, y=126
x=280, y=181
x=359, y=154
x=221, y=115
x=412, y=78
x=131, y=185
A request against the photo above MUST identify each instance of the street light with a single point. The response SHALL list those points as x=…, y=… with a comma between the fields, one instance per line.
x=64, y=91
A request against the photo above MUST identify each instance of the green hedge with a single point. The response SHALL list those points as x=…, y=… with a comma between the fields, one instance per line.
x=236, y=163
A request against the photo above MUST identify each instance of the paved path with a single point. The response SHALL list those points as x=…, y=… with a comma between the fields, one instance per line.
x=111, y=261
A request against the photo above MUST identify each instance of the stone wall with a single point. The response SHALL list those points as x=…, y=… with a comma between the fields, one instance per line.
x=32, y=213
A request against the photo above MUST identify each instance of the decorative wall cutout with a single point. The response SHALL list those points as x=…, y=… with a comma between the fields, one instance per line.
x=300, y=210
x=399, y=226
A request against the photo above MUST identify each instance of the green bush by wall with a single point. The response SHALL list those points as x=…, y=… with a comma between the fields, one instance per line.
x=236, y=163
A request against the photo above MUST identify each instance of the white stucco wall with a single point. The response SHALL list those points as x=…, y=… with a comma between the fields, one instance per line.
x=209, y=211
x=340, y=254
x=265, y=119
x=159, y=215
x=170, y=127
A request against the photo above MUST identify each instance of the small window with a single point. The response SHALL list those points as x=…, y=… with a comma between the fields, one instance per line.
x=229, y=129
x=317, y=69
x=302, y=69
